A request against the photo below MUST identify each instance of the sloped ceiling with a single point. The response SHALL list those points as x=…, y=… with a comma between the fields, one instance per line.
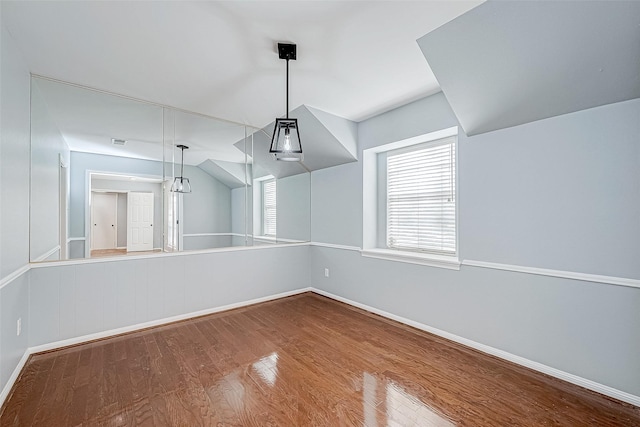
x=506, y=63
x=327, y=140
x=219, y=58
x=229, y=173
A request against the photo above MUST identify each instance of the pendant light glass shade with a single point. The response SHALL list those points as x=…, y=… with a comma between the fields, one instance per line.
x=285, y=143
x=180, y=183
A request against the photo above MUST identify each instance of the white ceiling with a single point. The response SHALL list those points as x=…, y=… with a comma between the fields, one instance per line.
x=355, y=58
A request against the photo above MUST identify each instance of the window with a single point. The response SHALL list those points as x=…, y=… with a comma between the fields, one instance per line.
x=421, y=207
x=269, y=207
x=409, y=200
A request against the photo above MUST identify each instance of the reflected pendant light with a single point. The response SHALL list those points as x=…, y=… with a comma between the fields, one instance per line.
x=180, y=183
x=285, y=142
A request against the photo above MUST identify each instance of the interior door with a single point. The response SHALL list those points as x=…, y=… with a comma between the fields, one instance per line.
x=63, y=176
x=139, y=221
x=173, y=225
x=103, y=220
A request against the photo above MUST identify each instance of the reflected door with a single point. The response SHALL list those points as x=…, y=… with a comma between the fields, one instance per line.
x=139, y=222
x=173, y=217
x=104, y=208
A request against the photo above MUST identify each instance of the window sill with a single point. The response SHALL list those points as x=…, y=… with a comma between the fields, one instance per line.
x=430, y=260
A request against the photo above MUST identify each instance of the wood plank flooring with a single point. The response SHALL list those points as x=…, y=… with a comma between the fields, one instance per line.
x=299, y=361
x=101, y=253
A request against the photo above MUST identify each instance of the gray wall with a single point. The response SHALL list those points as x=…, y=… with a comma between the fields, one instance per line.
x=69, y=301
x=47, y=144
x=14, y=203
x=207, y=209
x=568, y=182
x=14, y=173
x=195, y=243
x=294, y=207
x=155, y=188
x=14, y=305
x=238, y=211
x=561, y=193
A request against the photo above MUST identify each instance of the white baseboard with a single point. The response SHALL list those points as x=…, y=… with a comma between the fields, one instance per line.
x=14, y=376
x=565, y=376
x=159, y=322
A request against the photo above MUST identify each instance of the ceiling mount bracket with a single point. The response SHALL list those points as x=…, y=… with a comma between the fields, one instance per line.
x=287, y=51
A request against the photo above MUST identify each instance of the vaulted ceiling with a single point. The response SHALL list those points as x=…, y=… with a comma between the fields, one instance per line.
x=355, y=58
x=499, y=64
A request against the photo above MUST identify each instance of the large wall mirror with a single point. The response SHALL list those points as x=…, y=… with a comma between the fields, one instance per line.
x=104, y=171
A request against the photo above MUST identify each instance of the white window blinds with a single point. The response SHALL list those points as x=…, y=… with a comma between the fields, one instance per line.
x=421, y=203
x=269, y=207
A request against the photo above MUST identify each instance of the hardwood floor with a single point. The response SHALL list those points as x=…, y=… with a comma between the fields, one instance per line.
x=101, y=253
x=299, y=361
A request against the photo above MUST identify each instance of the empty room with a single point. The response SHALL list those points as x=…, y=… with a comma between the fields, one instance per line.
x=320, y=213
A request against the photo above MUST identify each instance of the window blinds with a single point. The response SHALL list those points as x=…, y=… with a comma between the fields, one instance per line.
x=421, y=209
x=269, y=211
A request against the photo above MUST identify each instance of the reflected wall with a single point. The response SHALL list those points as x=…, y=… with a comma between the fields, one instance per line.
x=292, y=196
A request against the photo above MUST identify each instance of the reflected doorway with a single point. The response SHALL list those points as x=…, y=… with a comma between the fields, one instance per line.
x=173, y=219
x=138, y=211
x=63, y=194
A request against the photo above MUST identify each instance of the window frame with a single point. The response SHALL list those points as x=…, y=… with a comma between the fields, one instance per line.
x=371, y=239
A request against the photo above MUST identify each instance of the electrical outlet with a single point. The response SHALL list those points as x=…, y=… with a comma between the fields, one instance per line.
x=19, y=326
x=326, y=272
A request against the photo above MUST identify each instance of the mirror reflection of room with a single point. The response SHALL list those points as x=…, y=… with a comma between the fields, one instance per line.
x=212, y=214
x=104, y=173
x=94, y=155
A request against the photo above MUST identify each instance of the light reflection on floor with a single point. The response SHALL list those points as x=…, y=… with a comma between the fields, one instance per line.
x=267, y=368
x=388, y=400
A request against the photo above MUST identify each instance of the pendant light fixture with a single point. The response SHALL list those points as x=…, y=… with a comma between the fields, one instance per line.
x=180, y=183
x=285, y=142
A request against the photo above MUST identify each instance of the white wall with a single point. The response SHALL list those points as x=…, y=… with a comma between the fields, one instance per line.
x=14, y=204
x=576, y=175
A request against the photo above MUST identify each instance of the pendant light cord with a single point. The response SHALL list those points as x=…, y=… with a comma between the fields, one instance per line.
x=287, y=87
x=182, y=165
